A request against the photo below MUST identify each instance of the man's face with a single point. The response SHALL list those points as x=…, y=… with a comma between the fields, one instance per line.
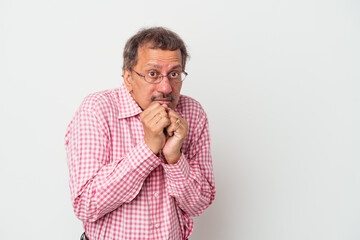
x=161, y=61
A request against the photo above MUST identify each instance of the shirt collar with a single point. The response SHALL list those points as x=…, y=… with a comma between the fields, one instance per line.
x=127, y=105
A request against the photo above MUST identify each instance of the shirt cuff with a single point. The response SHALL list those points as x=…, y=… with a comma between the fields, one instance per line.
x=143, y=160
x=177, y=174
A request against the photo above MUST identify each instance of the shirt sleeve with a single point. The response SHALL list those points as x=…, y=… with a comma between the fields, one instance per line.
x=191, y=180
x=98, y=185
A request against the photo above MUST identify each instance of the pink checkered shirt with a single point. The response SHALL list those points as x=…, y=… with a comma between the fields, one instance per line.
x=119, y=188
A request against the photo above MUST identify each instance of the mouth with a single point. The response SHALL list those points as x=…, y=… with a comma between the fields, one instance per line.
x=163, y=99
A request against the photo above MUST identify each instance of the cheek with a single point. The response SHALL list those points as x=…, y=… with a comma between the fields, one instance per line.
x=176, y=88
x=143, y=90
x=147, y=93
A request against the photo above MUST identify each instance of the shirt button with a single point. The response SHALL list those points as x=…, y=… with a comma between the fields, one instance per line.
x=157, y=225
x=151, y=168
x=156, y=194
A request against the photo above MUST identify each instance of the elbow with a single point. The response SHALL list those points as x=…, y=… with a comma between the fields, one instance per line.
x=84, y=210
x=195, y=209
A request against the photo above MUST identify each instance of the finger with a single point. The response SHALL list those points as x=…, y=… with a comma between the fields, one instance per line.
x=152, y=107
x=170, y=130
x=160, y=124
x=151, y=112
x=166, y=107
x=174, y=126
x=183, y=122
x=173, y=114
x=159, y=115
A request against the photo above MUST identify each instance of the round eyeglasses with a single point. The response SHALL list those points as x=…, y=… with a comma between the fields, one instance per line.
x=155, y=77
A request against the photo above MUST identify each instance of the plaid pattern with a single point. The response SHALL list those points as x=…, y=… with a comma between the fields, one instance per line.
x=119, y=188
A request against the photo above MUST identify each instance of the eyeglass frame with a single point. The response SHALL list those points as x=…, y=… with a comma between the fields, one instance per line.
x=161, y=77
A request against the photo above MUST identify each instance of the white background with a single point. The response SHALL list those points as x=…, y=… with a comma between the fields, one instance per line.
x=279, y=81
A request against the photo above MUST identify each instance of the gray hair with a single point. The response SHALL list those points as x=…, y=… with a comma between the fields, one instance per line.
x=158, y=37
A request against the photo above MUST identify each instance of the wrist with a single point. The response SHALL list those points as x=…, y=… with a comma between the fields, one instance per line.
x=154, y=149
x=172, y=158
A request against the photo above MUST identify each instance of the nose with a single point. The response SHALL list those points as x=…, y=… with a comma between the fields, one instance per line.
x=164, y=86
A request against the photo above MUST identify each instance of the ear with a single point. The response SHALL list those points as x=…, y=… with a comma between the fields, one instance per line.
x=128, y=79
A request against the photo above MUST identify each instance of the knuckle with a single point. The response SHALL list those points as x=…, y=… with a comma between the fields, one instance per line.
x=154, y=104
x=166, y=122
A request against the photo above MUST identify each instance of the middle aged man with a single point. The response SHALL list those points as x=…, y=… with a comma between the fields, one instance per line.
x=139, y=156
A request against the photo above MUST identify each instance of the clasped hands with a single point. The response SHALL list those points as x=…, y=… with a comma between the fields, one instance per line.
x=164, y=130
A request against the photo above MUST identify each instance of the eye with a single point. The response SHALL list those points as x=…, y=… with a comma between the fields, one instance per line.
x=153, y=74
x=174, y=75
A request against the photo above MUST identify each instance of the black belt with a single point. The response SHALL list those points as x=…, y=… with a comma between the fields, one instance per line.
x=83, y=237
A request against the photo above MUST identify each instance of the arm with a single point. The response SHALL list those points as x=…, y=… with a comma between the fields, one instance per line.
x=97, y=185
x=191, y=181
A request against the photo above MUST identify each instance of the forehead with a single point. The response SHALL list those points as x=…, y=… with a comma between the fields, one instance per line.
x=158, y=57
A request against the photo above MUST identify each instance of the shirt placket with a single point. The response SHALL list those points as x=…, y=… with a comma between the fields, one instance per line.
x=152, y=188
x=154, y=203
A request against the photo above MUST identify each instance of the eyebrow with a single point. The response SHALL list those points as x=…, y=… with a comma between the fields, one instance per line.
x=159, y=67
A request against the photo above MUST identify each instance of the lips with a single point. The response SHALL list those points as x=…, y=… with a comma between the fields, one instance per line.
x=163, y=100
